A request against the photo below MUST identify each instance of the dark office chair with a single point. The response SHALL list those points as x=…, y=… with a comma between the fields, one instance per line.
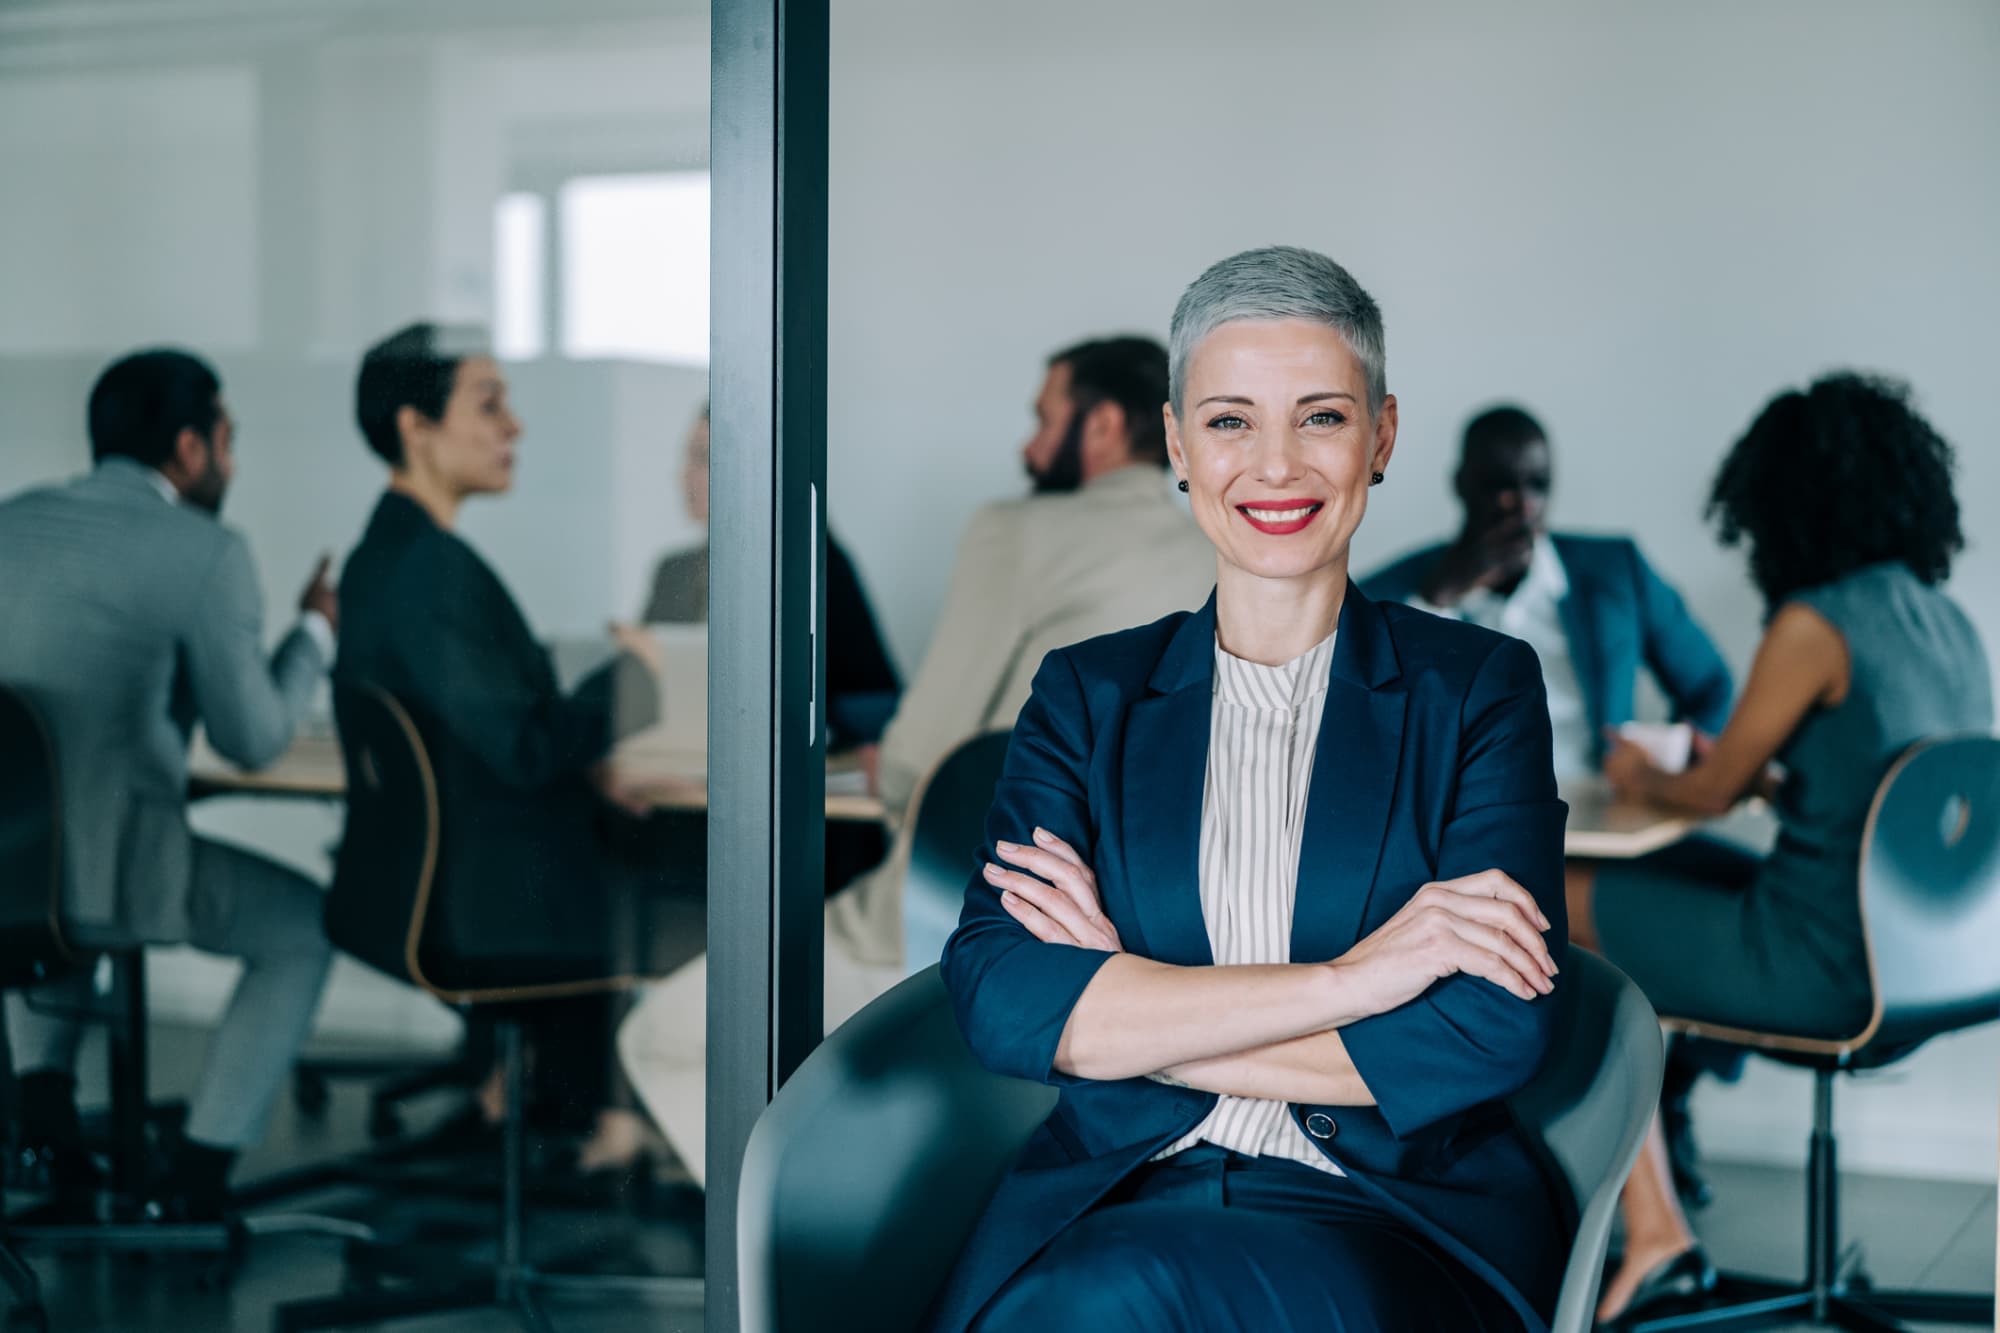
x=1930, y=899
x=384, y=909
x=34, y=949
x=831, y=1240
x=947, y=822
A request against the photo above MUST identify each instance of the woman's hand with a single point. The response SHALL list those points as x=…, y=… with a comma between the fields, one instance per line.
x=1057, y=901
x=1483, y=925
x=1630, y=770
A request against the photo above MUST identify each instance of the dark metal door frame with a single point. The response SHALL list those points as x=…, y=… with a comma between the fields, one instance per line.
x=767, y=487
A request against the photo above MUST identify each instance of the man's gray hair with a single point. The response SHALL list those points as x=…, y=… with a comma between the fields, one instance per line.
x=1278, y=282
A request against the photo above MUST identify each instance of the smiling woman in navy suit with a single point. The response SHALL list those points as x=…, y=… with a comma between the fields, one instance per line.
x=1274, y=898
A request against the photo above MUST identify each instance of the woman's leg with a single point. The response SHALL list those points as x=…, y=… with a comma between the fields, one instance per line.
x=1579, y=893
x=1174, y=1267
x=1656, y=1230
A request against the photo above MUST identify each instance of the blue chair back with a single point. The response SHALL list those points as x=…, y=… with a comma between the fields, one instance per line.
x=1930, y=889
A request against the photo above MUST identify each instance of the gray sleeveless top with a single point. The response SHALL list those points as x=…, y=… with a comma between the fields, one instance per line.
x=1916, y=670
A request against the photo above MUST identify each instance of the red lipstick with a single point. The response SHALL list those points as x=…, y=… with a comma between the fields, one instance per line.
x=1280, y=518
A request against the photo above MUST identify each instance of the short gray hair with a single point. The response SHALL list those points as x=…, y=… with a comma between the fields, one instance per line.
x=1278, y=282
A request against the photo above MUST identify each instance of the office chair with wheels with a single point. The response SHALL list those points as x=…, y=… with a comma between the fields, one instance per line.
x=947, y=822
x=384, y=908
x=35, y=948
x=1930, y=908
x=831, y=1240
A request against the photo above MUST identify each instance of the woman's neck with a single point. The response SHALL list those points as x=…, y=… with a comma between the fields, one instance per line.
x=437, y=500
x=1272, y=621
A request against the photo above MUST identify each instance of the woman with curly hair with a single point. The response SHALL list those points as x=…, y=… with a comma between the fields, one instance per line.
x=1843, y=494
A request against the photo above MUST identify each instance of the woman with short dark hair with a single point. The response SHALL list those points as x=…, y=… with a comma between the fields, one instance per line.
x=1843, y=493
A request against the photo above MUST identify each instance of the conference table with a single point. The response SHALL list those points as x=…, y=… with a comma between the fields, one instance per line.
x=1601, y=825
x=664, y=779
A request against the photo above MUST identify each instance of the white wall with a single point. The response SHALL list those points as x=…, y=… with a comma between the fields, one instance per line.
x=1640, y=220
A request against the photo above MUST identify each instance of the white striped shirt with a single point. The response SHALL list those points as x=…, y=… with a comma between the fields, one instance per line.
x=1263, y=730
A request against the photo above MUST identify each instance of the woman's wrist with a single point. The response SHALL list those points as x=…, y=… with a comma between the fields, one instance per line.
x=1337, y=994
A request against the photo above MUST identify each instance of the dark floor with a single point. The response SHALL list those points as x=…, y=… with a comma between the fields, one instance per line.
x=1927, y=1234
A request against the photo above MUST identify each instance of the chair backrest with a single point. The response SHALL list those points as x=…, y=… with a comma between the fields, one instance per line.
x=1589, y=1107
x=947, y=822
x=388, y=854
x=866, y=1173
x=1930, y=889
x=831, y=1237
x=32, y=947
x=385, y=904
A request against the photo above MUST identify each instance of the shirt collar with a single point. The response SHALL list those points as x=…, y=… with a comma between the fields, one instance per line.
x=163, y=486
x=1283, y=687
x=1545, y=581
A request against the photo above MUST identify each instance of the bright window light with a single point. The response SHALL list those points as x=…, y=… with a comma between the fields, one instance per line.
x=635, y=267
x=520, y=282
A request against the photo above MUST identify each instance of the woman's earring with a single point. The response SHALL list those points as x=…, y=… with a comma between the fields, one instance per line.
x=1376, y=479
x=1183, y=484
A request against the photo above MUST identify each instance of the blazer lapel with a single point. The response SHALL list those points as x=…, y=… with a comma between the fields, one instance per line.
x=1165, y=767
x=1353, y=782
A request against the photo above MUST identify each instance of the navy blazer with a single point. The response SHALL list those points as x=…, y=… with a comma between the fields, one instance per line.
x=1433, y=762
x=1619, y=614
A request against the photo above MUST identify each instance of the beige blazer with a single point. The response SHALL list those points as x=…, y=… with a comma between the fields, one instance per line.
x=1033, y=575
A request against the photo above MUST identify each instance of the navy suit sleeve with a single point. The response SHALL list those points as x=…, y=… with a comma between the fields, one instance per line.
x=1012, y=992
x=1465, y=1041
x=1680, y=654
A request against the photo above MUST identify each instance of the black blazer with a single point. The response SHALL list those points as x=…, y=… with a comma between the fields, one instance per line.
x=520, y=891
x=1433, y=762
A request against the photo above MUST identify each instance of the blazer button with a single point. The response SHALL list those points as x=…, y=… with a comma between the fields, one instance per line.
x=1320, y=1125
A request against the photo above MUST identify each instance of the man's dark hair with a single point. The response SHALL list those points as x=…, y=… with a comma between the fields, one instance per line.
x=142, y=402
x=1502, y=427
x=1130, y=371
x=1831, y=480
x=412, y=367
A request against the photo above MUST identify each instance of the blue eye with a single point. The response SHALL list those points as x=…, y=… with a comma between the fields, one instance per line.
x=1228, y=421
x=1327, y=418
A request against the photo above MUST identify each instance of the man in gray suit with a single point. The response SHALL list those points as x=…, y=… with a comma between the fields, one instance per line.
x=132, y=613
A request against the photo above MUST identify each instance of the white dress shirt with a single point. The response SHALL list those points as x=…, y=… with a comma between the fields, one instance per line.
x=1263, y=730
x=317, y=627
x=1533, y=614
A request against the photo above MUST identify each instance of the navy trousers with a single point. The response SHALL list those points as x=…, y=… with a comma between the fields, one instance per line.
x=1211, y=1241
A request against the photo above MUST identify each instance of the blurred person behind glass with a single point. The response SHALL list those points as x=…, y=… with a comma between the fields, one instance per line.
x=861, y=682
x=1101, y=543
x=131, y=614
x=524, y=887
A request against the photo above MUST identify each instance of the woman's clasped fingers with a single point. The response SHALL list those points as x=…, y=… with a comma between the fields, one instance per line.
x=1497, y=957
x=1067, y=873
x=1498, y=884
x=1509, y=919
x=1054, y=904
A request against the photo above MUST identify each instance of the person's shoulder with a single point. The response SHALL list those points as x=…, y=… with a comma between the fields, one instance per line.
x=1402, y=573
x=1122, y=660
x=1597, y=550
x=1444, y=650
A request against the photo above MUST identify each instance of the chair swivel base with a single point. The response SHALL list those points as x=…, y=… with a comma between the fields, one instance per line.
x=1850, y=1302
